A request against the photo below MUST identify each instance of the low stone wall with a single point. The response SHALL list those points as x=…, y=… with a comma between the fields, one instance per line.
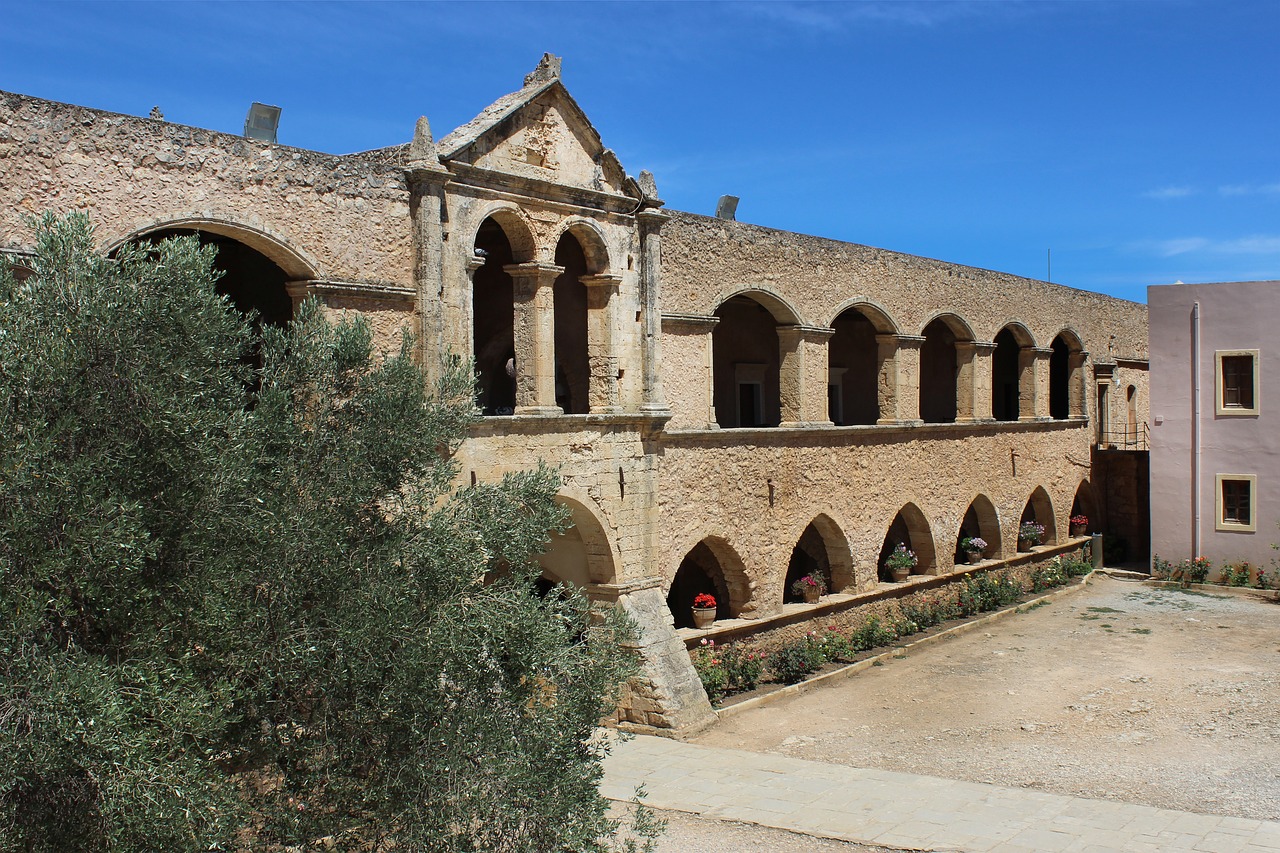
x=772, y=633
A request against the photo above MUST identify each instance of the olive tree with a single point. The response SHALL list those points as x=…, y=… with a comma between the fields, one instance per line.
x=243, y=602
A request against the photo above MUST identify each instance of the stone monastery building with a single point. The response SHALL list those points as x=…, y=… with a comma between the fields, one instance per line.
x=731, y=406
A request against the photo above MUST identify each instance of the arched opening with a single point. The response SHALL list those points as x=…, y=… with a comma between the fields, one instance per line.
x=252, y=282
x=745, y=363
x=1039, y=509
x=572, y=368
x=909, y=528
x=581, y=553
x=1010, y=364
x=938, y=374
x=493, y=319
x=1060, y=379
x=710, y=567
x=1131, y=417
x=1084, y=504
x=980, y=521
x=853, y=370
x=808, y=557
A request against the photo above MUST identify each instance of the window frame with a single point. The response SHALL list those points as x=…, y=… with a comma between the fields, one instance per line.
x=1220, y=383
x=1230, y=526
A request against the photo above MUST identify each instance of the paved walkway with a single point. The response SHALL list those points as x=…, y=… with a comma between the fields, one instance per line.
x=902, y=810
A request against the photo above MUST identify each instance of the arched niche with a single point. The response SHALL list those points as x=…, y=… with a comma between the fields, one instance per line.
x=980, y=520
x=1039, y=508
x=911, y=528
x=582, y=553
x=1085, y=503
x=822, y=549
x=713, y=567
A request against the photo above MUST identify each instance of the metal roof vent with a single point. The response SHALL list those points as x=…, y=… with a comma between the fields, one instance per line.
x=262, y=122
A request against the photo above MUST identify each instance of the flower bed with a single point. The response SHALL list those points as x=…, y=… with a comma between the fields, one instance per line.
x=745, y=666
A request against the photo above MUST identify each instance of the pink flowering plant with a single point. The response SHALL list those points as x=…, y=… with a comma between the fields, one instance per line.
x=1031, y=532
x=809, y=582
x=901, y=558
x=727, y=668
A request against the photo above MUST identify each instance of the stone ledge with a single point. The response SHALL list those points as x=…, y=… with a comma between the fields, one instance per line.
x=910, y=429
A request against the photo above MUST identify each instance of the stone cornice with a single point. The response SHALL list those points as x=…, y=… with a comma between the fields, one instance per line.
x=539, y=190
x=351, y=290
x=687, y=323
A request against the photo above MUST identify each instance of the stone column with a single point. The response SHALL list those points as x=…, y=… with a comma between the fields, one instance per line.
x=535, y=337
x=650, y=223
x=1040, y=382
x=908, y=361
x=426, y=178
x=966, y=386
x=887, y=378
x=802, y=375
x=1028, y=384
x=602, y=390
x=982, y=369
x=1076, y=384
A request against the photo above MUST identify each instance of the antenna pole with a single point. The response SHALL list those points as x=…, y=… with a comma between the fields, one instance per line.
x=1050, y=262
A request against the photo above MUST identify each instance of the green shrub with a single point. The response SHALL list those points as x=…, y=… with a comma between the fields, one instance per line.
x=1237, y=575
x=794, y=661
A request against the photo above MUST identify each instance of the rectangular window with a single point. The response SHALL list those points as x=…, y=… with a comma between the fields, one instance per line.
x=1237, y=502
x=1237, y=379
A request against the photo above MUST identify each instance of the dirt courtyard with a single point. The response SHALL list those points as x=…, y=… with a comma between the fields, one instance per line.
x=1120, y=691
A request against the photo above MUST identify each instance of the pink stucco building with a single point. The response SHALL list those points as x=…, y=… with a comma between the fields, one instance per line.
x=1215, y=421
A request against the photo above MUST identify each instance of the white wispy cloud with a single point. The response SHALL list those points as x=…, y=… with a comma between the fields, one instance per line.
x=1249, y=189
x=837, y=17
x=1164, y=193
x=1257, y=244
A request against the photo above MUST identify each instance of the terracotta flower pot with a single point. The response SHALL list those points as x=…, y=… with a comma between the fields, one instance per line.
x=974, y=557
x=1077, y=529
x=1024, y=544
x=811, y=595
x=703, y=617
x=900, y=575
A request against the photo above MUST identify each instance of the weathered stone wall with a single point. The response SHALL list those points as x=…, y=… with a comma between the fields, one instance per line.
x=316, y=215
x=758, y=490
x=705, y=260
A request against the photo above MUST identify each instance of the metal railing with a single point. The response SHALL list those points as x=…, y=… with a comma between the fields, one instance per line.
x=1137, y=437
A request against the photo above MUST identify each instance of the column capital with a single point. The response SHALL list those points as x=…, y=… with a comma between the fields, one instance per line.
x=472, y=264
x=652, y=217
x=911, y=341
x=815, y=334
x=533, y=269
x=984, y=346
x=1042, y=352
x=601, y=280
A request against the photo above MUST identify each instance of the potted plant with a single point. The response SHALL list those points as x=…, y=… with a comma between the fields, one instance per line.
x=974, y=547
x=811, y=587
x=1029, y=534
x=900, y=562
x=1079, y=524
x=704, y=610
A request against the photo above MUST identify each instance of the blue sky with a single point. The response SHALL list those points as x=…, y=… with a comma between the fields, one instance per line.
x=1139, y=141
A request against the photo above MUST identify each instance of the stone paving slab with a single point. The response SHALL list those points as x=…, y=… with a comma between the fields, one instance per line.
x=904, y=810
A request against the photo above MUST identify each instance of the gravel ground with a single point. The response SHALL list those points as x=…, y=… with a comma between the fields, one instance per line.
x=1121, y=691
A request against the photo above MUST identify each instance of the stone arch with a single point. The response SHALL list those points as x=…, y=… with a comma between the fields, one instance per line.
x=1013, y=379
x=784, y=314
x=515, y=225
x=1085, y=503
x=874, y=312
x=595, y=248
x=856, y=364
x=1039, y=508
x=1066, y=376
x=295, y=264
x=252, y=282
x=493, y=313
x=711, y=566
x=572, y=365
x=981, y=519
x=911, y=527
x=821, y=547
x=746, y=362
x=941, y=366
x=584, y=552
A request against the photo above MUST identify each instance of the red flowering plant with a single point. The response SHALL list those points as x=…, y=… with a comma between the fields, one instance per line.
x=703, y=601
x=1082, y=520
